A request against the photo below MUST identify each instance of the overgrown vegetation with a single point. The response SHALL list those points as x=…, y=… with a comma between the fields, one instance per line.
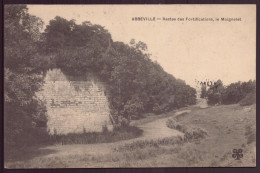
x=189, y=131
x=190, y=134
x=249, y=99
x=22, y=77
x=121, y=133
x=141, y=144
x=136, y=85
x=194, y=134
x=238, y=92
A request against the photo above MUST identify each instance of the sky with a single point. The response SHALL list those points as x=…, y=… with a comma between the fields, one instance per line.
x=189, y=50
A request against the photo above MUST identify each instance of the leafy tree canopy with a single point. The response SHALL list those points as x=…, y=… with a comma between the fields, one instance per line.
x=22, y=74
x=132, y=77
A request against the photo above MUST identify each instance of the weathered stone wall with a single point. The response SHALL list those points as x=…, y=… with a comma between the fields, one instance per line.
x=74, y=105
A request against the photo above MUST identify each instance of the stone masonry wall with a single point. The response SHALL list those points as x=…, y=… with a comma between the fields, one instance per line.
x=74, y=105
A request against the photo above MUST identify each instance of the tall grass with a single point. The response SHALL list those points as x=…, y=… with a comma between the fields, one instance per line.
x=250, y=134
x=189, y=131
x=141, y=144
x=119, y=133
x=144, y=144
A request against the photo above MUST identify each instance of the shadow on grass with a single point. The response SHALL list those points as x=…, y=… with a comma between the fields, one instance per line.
x=26, y=153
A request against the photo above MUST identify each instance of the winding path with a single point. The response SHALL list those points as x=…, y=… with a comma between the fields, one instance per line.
x=156, y=129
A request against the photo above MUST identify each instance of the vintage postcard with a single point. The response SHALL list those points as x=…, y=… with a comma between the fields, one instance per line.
x=90, y=86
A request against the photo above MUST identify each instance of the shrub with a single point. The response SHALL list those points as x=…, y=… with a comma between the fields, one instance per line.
x=194, y=133
x=173, y=124
x=249, y=99
x=133, y=108
x=238, y=91
x=231, y=94
x=158, y=109
x=190, y=133
x=214, y=93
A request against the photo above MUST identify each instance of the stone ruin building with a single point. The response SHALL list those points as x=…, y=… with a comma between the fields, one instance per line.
x=75, y=104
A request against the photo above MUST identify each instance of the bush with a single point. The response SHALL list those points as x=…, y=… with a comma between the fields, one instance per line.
x=238, y=91
x=231, y=94
x=195, y=133
x=133, y=108
x=190, y=133
x=173, y=124
x=214, y=93
x=214, y=98
x=158, y=109
x=249, y=99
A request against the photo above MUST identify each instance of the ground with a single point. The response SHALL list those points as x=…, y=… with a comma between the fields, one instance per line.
x=228, y=126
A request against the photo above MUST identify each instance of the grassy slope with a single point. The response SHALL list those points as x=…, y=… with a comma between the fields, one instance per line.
x=228, y=126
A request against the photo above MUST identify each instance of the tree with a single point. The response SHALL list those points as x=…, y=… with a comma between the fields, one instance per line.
x=203, y=92
x=22, y=75
x=231, y=94
x=235, y=92
x=214, y=93
x=135, y=83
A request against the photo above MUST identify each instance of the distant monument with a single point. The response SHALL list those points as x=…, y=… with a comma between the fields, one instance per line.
x=201, y=100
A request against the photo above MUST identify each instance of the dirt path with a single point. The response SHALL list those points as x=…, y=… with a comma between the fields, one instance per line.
x=152, y=130
x=202, y=103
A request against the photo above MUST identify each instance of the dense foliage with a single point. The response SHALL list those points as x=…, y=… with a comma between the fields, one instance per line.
x=22, y=75
x=249, y=99
x=135, y=83
x=232, y=93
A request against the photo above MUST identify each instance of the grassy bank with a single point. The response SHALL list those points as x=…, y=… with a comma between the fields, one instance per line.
x=228, y=127
x=118, y=134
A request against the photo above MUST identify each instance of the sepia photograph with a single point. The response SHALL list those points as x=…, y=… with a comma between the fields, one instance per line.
x=129, y=86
